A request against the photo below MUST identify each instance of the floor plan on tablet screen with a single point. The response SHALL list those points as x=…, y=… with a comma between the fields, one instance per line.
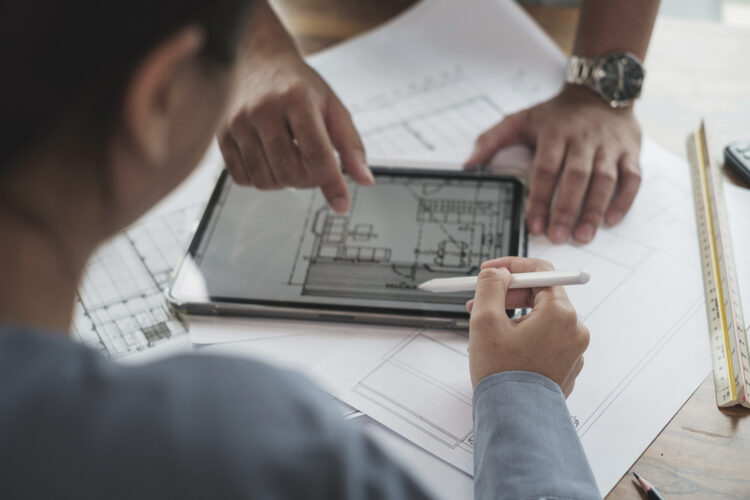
x=397, y=234
x=450, y=228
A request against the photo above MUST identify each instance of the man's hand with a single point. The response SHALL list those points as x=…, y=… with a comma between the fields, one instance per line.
x=585, y=168
x=550, y=340
x=286, y=123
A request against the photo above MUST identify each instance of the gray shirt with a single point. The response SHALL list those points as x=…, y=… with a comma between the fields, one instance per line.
x=76, y=425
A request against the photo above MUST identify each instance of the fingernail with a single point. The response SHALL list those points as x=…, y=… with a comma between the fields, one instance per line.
x=537, y=225
x=558, y=233
x=585, y=232
x=340, y=204
x=614, y=218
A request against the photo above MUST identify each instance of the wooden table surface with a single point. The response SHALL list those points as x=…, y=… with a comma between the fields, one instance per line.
x=694, y=69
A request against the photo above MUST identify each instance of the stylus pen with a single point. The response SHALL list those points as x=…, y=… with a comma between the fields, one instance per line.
x=518, y=280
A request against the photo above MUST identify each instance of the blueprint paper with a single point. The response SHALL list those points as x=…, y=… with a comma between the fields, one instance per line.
x=434, y=79
x=120, y=308
x=424, y=87
x=435, y=475
x=648, y=347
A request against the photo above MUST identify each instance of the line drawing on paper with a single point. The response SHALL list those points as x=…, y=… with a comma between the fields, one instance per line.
x=423, y=364
x=121, y=307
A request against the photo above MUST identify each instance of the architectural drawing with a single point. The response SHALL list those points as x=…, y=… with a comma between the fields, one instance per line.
x=410, y=369
x=121, y=307
x=441, y=112
x=648, y=340
x=380, y=251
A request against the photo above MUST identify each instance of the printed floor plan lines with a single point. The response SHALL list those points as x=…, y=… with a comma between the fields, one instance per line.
x=440, y=112
x=451, y=227
x=417, y=378
x=121, y=308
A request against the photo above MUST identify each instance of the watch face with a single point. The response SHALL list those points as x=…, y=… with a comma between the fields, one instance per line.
x=620, y=77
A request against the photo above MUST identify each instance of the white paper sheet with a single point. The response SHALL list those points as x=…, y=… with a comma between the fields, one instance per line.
x=433, y=80
x=421, y=89
x=435, y=475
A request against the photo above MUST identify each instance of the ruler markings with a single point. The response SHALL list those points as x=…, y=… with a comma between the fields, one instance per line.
x=729, y=351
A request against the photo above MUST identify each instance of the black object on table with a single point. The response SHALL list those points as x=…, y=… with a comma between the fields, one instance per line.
x=737, y=159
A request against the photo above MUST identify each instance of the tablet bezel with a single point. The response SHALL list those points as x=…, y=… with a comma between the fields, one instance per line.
x=233, y=306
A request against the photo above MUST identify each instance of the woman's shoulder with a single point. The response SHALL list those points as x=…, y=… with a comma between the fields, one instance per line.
x=215, y=417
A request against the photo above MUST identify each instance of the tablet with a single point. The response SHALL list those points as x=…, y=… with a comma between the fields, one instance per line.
x=287, y=254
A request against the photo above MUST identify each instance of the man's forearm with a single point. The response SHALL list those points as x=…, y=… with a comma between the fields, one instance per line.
x=267, y=33
x=610, y=25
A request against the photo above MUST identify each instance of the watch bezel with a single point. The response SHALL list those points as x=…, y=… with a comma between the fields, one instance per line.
x=598, y=71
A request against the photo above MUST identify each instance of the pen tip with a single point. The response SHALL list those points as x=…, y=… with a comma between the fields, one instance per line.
x=636, y=475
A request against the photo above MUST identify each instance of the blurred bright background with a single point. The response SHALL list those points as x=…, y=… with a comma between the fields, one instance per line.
x=732, y=12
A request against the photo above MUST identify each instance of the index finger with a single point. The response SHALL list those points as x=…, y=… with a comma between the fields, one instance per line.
x=348, y=143
x=527, y=297
x=488, y=309
x=315, y=146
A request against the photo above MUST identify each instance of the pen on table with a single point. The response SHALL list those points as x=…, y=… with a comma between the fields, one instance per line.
x=518, y=280
x=651, y=492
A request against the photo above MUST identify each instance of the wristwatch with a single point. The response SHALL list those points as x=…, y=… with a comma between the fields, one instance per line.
x=616, y=77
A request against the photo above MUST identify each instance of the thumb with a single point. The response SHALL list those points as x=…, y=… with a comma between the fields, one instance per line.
x=489, y=298
x=506, y=133
x=348, y=143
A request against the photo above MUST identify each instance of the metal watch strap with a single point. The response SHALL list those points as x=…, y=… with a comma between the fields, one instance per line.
x=578, y=70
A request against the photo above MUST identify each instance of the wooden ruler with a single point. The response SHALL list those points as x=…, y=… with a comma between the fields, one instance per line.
x=729, y=348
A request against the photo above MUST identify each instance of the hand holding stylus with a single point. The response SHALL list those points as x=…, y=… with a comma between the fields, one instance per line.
x=517, y=280
x=550, y=340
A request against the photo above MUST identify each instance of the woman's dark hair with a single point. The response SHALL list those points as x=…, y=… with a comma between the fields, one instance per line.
x=75, y=56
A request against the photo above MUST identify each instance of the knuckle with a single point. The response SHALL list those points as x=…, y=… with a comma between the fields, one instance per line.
x=234, y=172
x=631, y=170
x=263, y=181
x=554, y=134
x=547, y=171
x=484, y=139
x=296, y=92
x=593, y=215
x=605, y=175
x=485, y=319
x=278, y=145
x=543, y=265
x=584, y=337
x=488, y=274
x=286, y=176
x=564, y=214
x=302, y=178
x=317, y=154
x=566, y=315
x=239, y=120
x=577, y=173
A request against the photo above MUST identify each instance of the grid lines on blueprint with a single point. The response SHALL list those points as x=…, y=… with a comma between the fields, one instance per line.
x=121, y=308
x=441, y=112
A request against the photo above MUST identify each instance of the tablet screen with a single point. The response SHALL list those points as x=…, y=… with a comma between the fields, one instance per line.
x=288, y=247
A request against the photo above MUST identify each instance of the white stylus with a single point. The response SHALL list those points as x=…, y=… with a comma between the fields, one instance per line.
x=519, y=280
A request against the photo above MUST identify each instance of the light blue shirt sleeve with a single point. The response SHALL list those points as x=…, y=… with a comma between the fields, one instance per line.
x=206, y=427
x=525, y=444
